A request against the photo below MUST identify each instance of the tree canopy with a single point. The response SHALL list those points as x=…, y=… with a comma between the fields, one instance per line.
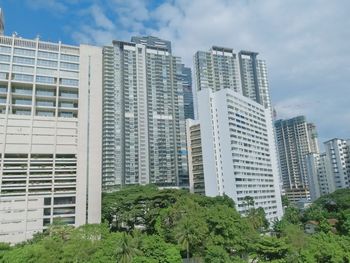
x=142, y=224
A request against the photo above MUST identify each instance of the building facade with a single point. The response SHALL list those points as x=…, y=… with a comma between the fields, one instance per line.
x=144, y=138
x=195, y=157
x=186, y=78
x=238, y=154
x=50, y=135
x=330, y=170
x=295, y=139
x=338, y=156
x=319, y=175
x=235, y=123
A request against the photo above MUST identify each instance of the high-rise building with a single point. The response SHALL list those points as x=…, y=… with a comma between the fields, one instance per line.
x=186, y=79
x=338, y=154
x=222, y=68
x=295, y=139
x=330, y=170
x=319, y=176
x=144, y=138
x=2, y=22
x=50, y=135
x=236, y=131
x=195, y=156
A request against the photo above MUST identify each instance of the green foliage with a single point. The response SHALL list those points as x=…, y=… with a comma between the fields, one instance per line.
x=146, y=225
x=257, y=219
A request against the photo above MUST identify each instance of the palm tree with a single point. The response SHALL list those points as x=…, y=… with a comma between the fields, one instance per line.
x=127, y=250
x=185, y=235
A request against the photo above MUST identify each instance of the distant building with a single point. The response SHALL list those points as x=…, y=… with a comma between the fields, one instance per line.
x=329, y=171
x=295, y=139
x=2, y=22
x=195, y=157
x=235, y=154
x=186, y=78
x=144, y=140
x=338, y=154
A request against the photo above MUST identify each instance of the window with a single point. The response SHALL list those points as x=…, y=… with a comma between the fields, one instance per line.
x=72, y=66
x=69, y=82
x=69, y=58
x=48, y=80
x=22, y=77
x=23, y=69
x=4, y=67
x=47, y=63
x=42, y=54
x=22, y=60
x=25, y=52
x=5, y=49
x=4, y=58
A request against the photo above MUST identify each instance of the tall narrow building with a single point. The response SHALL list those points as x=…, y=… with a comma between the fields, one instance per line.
x=144, y=137
x=50, y=135
x=330, y=170
x=295, y=139
x=236, y=131
x=186, y=78
x=319, y=175
x=2, y=22
x=338, y=154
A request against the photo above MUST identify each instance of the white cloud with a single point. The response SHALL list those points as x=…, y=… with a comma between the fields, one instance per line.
x=305, y=43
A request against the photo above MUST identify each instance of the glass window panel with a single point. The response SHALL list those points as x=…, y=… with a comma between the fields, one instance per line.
x=67, y=94
x=72, y=66
x=21, y=112
x=42, y=92
x=69, y=58
x=25, y=52
x=45, y=113
x=43, y=79
x=4, y=58
x=22, y=101
x=22, y=77
x=46, y=71
x=3, y=75
x=4, y=49
x=23, y=69
x=70, y=82
x=42, y=54
x=45, y=103
x=69, y=74
x=47, y=63
x=22, y=60
x=4, y=67
x=22, y=91
x=3, y=88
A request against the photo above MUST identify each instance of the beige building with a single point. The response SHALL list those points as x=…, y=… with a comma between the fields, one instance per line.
x=50, y=135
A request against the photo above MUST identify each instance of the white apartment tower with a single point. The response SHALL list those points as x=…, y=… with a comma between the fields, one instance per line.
x=50, y=135
x=144, y=138
x=338, y=154
x=319, y=175
x=238, y=147
x=330, y=170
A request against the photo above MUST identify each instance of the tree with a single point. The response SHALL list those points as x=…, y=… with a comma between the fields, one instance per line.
x=248, y=202
x=257, y=219
x=189, y=233
x=271, y=248
x=126, y=250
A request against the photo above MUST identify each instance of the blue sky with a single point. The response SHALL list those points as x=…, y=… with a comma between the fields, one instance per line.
x=306, y=43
